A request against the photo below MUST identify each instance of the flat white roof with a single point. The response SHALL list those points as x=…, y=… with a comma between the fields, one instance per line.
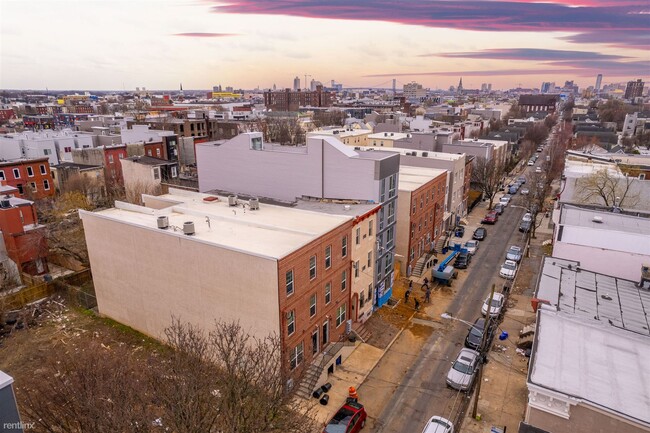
x=615, y=231
x=5, y=380
x=412, y=178
x=433, y=155
x=594, y=363
x=390, y=136
x=272, y=231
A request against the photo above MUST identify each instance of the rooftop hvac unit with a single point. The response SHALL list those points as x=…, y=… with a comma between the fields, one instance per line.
x=357, y=148
x=163, y=222
x=5, y=203
x=346, y=207
x=597, y=219
x=232, y=200
x=425, y=153
x=385, y=134
x=188, y=228
x=254, y=203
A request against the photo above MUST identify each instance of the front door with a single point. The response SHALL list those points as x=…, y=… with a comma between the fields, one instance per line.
x=314, y=342
x=326, y=332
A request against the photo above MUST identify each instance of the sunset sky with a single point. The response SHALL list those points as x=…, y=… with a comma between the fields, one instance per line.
x=121, y=44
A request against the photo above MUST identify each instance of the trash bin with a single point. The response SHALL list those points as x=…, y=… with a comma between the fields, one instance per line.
x=325, y=399
x=318, y=392
x=444, y=250
x=326, y=387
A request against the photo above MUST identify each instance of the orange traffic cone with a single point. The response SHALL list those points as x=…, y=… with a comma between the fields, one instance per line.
x=352, y=393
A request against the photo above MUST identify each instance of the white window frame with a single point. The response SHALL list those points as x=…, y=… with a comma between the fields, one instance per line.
x=328, y=293
x=356, y=269
x=30, y=171
x=291, y=323
x=357, y=236
x=158, y=152
x=289, y=282
x=344, y=280
x=313, y=299
x=32, y=186
x=46, y=184
x=156, y=173
x=174, y=171
x=110, y=158
x=312, y=268
x=344, y=246
x=297, y=356
x=16, y=173
x=328, y=257
x=43, y=169
x=341, y=314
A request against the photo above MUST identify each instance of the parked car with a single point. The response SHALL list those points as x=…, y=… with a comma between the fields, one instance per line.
x=513, y=190
x=459, y=231
x=495, y=308
x=514, y=253
x=508, y=269
x=350, y=418
x=505, y=200
x=462, y=260
x=499, y=208
x=475, y=335
x=538, y=169
x=525, y=226
x=438, y=424
x=490, y=218
x=539, y=149
x=471, y=247
x=463, y=369
x=524, y=191
x=527, y=217
x=531, y=162
x=479, y=234
x=521, y=179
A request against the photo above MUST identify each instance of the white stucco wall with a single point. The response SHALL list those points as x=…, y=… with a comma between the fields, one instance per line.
x=143, y=276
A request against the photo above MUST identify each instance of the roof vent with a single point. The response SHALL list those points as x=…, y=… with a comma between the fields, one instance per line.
x=254, y=203
x=597, y=219
x=188, y=228
x=232, y=200
x=5, y=203
x=346, y=207
x=163, y=222
x=385, y=134
x=425, y=153
x=357, y=148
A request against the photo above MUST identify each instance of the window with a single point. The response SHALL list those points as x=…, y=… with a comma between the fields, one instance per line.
x=120, y=155
x=344, y=280
x=387, y=263
x=291, y=322
x=340, y=315
x=392, y=183
x=2, y=175
x=328, y=256
x=174, y=171
x=356, y=269
x=328, y=293
x=389, y=237
x=67, y=149
x=391, y=212
x=32, y=185
x=312, y=305
x=414, y=206
x=30, y=171
x=362, y=299
x=382, y=190
x=156, y=173
x=369, y=259
x=296, y=356
x=46, y=184
x=110, y=159
x=369, y=292
x=149, y=152
x=20, y=188
x=312, y=267
x=370, y=227
x=289, y=282
x=16, y=173
x=344, y=246
x=47, y=152
x=357, y=238
x=158, y=152
x=43, y=169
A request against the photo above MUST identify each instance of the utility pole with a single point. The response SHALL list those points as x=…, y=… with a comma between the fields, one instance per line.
x=479, y=376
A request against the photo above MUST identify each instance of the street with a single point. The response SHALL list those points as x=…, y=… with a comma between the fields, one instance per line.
x=422, y=392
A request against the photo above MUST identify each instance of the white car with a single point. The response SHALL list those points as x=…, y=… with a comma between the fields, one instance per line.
x=438, y=424
x=471, y=247
x=531, y=162
x=505, y=200
x=462, y=371
x=508, y=270
x=495, y=308
x=527, y=217
x=524, y=191
x=538, y=170
x=514, y=253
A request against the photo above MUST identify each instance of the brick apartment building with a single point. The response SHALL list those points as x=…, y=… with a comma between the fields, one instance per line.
x=22, y=236
x=211, y=129
x=275, y=269
x=109, y=157
x=31, y=177
x=534, y=103
x=291, y=100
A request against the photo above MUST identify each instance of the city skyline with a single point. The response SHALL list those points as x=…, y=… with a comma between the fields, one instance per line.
x=119, y=45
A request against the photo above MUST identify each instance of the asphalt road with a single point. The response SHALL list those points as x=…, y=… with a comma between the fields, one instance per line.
x=423, y=391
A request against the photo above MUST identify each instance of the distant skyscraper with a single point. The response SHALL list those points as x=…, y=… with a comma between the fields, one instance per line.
x=634, y=89
x=599, y=81
x=296, y=83
x=546, y=87
x=460, y=86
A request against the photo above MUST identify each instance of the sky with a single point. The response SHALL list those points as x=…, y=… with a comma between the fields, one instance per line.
x=158, y=44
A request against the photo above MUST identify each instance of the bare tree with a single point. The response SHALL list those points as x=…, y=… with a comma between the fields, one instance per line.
x=487, y=175
x=537, y=133
x=134, y=191
x=608, y=187
x=328, y=118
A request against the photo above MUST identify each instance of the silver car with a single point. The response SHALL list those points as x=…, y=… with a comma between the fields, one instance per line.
x=471, y=246
x=463, y=369
x=514, y=253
